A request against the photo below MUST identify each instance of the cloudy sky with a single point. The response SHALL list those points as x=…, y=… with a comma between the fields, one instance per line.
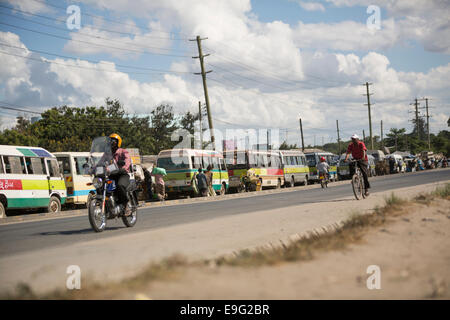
x=272, y=61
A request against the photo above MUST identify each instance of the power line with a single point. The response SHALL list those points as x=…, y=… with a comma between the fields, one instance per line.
x=92, y=43
x=75, y=66
x=16, y=109
x=101, y=29
x=111, y=20
x=95, y=61
x=250, y=68
x=92, y=36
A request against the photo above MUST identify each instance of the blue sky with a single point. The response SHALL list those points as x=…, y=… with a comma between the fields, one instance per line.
x=269, y=58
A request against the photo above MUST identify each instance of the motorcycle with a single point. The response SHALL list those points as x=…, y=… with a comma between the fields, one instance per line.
x=323, y=180
x=104, y=205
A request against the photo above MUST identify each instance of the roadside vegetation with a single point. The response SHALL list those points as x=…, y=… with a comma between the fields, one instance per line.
x=307, y=247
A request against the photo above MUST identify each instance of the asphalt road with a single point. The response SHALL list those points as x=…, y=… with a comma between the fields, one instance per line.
x=22, y=237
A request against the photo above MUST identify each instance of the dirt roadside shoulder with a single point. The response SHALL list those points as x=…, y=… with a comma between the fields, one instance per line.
x=406, y=241
x=410, y=250
x=46, y=269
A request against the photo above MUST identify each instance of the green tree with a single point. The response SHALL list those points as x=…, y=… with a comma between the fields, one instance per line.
x=163, y=124
x=285, y=146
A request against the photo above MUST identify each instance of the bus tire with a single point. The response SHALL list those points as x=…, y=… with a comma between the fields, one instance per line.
x=2, y=211
x=305, y=181
x=223, y=189
x=54, y=205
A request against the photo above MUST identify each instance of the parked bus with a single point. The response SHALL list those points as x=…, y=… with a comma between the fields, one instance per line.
x=265, y=165
x=182, y=164
x=295, y=168
x=30, y=178
x=71, y=165
x=313, y=158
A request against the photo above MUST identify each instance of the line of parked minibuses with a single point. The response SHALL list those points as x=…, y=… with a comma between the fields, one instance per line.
x=231, y=169
x=32, y=177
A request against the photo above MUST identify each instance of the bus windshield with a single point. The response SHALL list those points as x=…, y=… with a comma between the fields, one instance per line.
x=173, y=163
x=311, y=159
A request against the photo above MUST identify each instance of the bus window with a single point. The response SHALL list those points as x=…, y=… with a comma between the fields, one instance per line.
x=177, y=163
x=276, y=162
x=64, y=164
x=28, y=164
x=196, y=162
x=79, y=163
x=13, y=165
x=262, y=161
x=223, y=167
x=294, y=161
x=311, y=159
x=53, y=168
x=215, y=163
x=1, y=166
x=252, y=159
x=23, y=166
x=36, y=166
x=301, y=160
x=206, y=161
x=235, y=160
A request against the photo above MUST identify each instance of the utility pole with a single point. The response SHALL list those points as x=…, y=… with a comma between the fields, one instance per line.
x=339, y=139
x=205, y=88
x=364, y=137
x=200, y=119
x=428, y=124
x=268, y=135
x=381, y=136
x=301, y=133
x=370, y=116
x=417, y=118
x=428, y=120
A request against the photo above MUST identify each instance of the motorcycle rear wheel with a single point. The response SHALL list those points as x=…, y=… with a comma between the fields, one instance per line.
x=97, y=219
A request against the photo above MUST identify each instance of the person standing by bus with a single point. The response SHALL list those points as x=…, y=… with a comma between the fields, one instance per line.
x=202, y=183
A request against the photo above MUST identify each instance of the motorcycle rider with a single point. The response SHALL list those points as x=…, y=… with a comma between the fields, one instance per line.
x=123, y=160
x=323, y=167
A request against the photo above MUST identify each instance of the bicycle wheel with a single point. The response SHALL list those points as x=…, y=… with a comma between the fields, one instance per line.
x=357, y=186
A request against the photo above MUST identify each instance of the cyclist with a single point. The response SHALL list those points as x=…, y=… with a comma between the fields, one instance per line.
x=323, y=167
x=359, y=153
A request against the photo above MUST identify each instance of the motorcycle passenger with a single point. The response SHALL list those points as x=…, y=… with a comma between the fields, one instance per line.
x=323, y=167
x=359, y=152
x=123, y=160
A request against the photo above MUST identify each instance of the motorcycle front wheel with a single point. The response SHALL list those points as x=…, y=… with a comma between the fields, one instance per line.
x=130, y=220
x=97, y=219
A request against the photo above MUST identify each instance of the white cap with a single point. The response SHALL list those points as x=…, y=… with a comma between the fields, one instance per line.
x=355, y=136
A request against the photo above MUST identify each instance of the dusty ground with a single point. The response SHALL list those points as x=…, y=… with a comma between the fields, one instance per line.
x=412, y=252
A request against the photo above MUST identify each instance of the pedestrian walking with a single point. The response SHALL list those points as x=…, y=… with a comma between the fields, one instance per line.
x=202, y=183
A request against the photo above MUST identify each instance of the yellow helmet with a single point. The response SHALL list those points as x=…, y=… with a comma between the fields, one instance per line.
x=116, y=136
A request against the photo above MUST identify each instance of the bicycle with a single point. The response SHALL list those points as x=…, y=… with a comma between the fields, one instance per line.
x=359, y=188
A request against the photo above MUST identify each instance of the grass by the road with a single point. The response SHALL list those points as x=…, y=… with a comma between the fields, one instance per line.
x=349, y=232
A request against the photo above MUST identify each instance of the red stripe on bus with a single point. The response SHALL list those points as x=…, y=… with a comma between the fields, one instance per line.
x=10, y=184
x=275, y=172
